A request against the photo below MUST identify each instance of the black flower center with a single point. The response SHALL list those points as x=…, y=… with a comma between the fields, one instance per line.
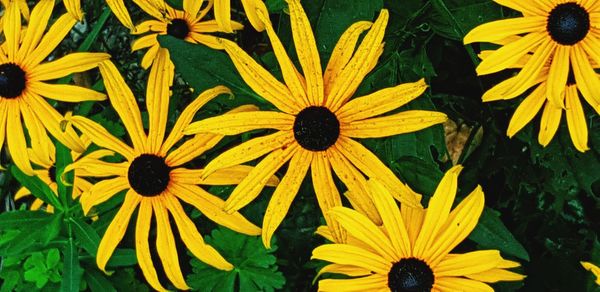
x=316, y=128
x=568, y=23
x=410, y=275
x=178, y=28
x=52, y=173
x=12, y=80
x=148, y=175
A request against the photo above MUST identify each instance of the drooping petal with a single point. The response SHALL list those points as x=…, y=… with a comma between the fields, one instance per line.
x=496, y=275
x=150, y=56
x=284, y=194
x=102, y=191
x=50, y=40
x=576, y=119
x=210, y=41
x=527, y=110
x=101, y=137
x=15, y=139
x=327, y=193
x=381, y=101
x=212, y=207
x=251, y=7
x=352, y=255
x=500, y=29
x=71, y=63
x=191, y=237
x=41, y=145
x=64, y=92
x=468, y=263
x=116, y=230
x=549, y=124
x=142, y=246
x=35, y=29
x=237, y=123
x=157, y=99
x=585, y=77
x=400, y=123
x=368, y=283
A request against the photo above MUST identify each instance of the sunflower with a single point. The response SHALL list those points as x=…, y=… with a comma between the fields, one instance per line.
x=22, y=6
x=592, y=268
x=317, y=121
x=153, y=178
x=117, y=6
x=223, y=14
x=551, y=114
x=22, y=82
x=186, y=24
x=411, y=251
x=557, y=39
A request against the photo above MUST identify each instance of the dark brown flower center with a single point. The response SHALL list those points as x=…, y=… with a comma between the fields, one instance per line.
x=12, y=80
x=148, y=175
x=568, y=23
x=316, y=128
x=178, y=28
x=410, y=275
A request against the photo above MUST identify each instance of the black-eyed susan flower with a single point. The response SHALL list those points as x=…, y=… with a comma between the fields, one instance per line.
x=317, y=121
x=592, y=268
x=21, y=5
x=188, y=24
x=153, y=177
x=411, y=251
x=23, y=82
x=223, y=14
x=116, y=6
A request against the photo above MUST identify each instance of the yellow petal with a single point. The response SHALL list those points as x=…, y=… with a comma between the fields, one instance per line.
x=468, y=263
x=12, y=30
x=157, y=99
x=413, y=218
x=212, y=207
x=222, y=11
x=260, y=80
x=341, y=54
x=369, y=283
x=192, y=148
x=251, y=186
x=213, y=26
x=64, y=92
x=150, y=55
x=392, y=218
x=71, y=63
x=192, y=7
x=3, y=121
x=50, y=40
x=165, y=244
x=346, y=254
x=327, y=194
x=359, y=66
x=528, y=8
x=284, y=194
x=192, y=239
x=237, y=123
x=122, y=100
x=549, y=124
x=15, y=138
x=101, y=136
x=586, y=78
x=98, y=168
x=102, y=191
x=400, y=123
x=437, y=211
x=381, y=102
x=222, y=177
x=210, y=41
x=39, y=140
x=142, y=246
x=460, y=284
x=500, y=29
x=496, y=275
x=251, y=7
x=37, y=25
x=344, y=269
x=510, y=54
x=119, y=10
x=592, y=268
x=527, y=110
x=145, y=42
x=74, y=8
x=576, y=119
x=148, y=26
x=116, y=230
x=308, y=55
x=154, y=8
x=558, y=74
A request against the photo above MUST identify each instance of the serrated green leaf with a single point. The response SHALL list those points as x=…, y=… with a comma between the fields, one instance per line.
x=492, y=234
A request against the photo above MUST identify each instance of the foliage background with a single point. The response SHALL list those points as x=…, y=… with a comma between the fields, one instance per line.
x=543, y=203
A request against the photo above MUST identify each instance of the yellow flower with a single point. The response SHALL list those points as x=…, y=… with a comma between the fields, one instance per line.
x=22, y=6
x=187, y=25
x=47, y=173
x=23, y=79
x=117, y=6
x=153, y=178
x=223, y=14
x=412, y=250
x=592, y=268
x=317, y=121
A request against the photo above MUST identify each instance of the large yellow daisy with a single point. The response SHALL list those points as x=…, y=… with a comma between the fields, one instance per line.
x=187, y=24
x=412, y=250
x=23, y=79
x=316, y=123
x=563, y=35
x=223, y=14
x=153, y=177
x=592, y=268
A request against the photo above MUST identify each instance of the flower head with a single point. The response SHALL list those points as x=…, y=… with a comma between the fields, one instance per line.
x=153, y=177
x=411, y=251
x=592, y=268
x=23, y=79
x=187, y=24
x=316, y=121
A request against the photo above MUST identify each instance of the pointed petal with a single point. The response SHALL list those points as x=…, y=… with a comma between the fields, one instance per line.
x=222, y=11
x=381, y=102
x=165, y=244
x=251, y=186
x=233, y=124
x=368, y=283
x=327, y=193
x=192, y=148
x=527, y=110
x=102, y=137
x=251, y=7
x=157, y=99
x=74, y=8
x=352, y=255
x=509, y=54
x=192, y=239
x=500, y=29
x=150, y=55
x=576, y=119
x=400, y=123
x=192, y=7
x=549, y=124
x=64, y=92
x=145, y=41
x=12, y=29
x=284, y=194
x=116, y=230
x=142, y=246
x=124, y=103
x=495, y=275
x=15, y=138
x=71, y=63
x=102, y=191
x=120, y=11
x=50, y=40
x=468, y=263
x=35, y=29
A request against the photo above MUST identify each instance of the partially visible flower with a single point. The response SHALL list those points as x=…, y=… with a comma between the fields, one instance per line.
x=187, y=24
x=316, y=122
x=223, y=14
x=23, y=85
x=592, y=268
x=411, y=251
x=153, y=177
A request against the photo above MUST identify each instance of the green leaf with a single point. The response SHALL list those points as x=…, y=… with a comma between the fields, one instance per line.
x=122, y=257
x=422, y=175
x=255, y=266
x=72, y=271
x=97, y=281
x=87, y=237
x=33, y=238
x=37, y=187
x=491, y=233
x=64, y=181
x=24, y=219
